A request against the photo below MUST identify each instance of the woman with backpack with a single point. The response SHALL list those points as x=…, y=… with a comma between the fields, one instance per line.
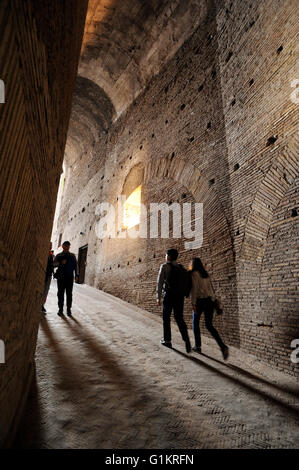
x=203, y=301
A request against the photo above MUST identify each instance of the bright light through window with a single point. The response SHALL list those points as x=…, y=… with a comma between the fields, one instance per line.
x=132, y=209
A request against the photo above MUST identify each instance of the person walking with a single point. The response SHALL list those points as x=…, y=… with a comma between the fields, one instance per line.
x=67, y=268
x=48, y=277
x=171, y=289
x=204, y=301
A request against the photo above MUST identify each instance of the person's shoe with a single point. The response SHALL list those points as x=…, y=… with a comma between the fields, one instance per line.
x=60, y=313
x=188, y=345
x=225, y=353
x=196, y=349
x=43, y=309
x=69, y=312
x=166, y=343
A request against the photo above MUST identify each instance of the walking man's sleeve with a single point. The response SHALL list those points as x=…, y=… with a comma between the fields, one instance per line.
x=160, y=281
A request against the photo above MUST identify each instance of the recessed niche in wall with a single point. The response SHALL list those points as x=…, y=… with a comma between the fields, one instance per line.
x=132, y=209
x=191, y=139
x=153, y=135
x=132, y=190
x=209, y=125
x=233, y=102
x=183, y=106
x=184, y=195
x=172, y=155
x=294, y=213
x=166, y=122
x=228, y=56
x=236, y=166
x=212, y=181
x=272, y=140
x=213, y=73
x=200, y=88
x=251, y=23
x=140, y=147
x=279, y=50
x=251, y=82
x=139, y=260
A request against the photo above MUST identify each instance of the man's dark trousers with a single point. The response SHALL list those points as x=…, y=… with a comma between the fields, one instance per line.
x=65, y=284
x=175, y=303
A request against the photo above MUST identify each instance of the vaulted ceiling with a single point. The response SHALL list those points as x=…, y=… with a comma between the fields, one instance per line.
x=126, y=42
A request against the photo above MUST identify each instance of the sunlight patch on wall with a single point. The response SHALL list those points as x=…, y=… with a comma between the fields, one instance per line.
x=132, y=209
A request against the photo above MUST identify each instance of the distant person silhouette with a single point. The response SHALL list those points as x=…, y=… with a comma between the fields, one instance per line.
x=48, y=277
x=203, y=300
x=67, y=268
x=171, y=290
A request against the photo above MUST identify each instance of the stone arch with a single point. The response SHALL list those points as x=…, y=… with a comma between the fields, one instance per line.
x=273, y=187
x=91, y=117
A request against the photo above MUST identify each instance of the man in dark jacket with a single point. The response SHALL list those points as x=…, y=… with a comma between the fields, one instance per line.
x=67, y=268
x=48, y=277
x=170, y=288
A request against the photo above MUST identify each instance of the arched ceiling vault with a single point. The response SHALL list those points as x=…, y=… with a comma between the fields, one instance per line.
x=92, y=114
x=126, y=42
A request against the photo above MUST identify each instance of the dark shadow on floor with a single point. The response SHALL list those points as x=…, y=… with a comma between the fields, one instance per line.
x=291, y=391
x=289, y=408
x=80, y=384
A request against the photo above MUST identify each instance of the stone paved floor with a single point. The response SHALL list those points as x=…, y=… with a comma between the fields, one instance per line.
x=104, y=381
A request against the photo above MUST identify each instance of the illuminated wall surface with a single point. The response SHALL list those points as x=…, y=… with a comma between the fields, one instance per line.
x=132, y=209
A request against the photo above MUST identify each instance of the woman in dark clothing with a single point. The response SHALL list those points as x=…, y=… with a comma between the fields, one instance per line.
x=203, y=300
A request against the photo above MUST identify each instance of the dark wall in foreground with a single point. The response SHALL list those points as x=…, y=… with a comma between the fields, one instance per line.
x=39, y=51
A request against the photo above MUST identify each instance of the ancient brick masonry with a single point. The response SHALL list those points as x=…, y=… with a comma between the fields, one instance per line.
x=213, y=122
x=39, y=50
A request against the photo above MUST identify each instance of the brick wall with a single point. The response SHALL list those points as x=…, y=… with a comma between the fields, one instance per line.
x=39, y=50
x=216, y=126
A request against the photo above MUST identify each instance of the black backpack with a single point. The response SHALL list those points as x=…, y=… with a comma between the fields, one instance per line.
x=178, y=281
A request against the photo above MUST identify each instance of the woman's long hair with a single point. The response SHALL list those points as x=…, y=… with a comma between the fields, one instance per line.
x=196, y=265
